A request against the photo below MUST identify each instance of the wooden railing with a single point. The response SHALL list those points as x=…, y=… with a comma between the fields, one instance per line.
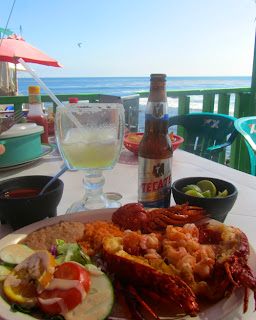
x=239, y=158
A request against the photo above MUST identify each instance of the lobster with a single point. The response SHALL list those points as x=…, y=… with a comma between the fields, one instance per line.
x=229, y=268
x=137, y=271
x=133, y=216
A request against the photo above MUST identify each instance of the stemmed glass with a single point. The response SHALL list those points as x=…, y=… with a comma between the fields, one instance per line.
x=90, y=137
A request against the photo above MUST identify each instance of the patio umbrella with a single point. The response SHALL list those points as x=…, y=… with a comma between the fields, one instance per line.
x=15, y=47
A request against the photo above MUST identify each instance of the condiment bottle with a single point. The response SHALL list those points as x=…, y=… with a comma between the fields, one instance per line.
x=35, y=113
x=73, y=100
x=155, y=149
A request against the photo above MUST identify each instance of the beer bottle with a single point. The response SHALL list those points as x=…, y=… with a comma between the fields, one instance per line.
x=155, y=149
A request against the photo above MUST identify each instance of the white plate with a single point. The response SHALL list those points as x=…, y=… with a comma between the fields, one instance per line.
x=217, y=311
x=45, y=149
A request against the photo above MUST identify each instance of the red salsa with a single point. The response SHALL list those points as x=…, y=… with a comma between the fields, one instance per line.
x=20, y=193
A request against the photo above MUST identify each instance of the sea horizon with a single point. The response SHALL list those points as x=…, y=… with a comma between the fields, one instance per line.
x=26, y=75
x=65, y=85
x=124, y=86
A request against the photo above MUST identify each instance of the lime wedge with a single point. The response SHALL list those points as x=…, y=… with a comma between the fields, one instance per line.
x=222, y=194
x=207, y=194
x=194, y=193
x=191, y=187
x=205, y=185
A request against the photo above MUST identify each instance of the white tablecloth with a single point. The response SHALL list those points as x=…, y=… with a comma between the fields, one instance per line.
x=123, y=179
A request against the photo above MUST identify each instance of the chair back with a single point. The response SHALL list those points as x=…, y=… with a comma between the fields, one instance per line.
x=247, y=127
x=206, y=134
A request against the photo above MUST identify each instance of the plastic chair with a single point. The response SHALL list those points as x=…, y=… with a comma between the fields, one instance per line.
x=206, y=134
x=247, y=127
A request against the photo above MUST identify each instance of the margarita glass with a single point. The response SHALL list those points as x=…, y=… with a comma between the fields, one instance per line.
x=90, y=138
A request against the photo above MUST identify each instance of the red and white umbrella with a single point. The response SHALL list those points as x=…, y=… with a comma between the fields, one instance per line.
x=15, y=47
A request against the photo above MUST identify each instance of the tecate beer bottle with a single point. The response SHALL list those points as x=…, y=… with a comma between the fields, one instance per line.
x=155, y=149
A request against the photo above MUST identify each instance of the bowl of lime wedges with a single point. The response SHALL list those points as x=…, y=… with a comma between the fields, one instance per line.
x=216, y=196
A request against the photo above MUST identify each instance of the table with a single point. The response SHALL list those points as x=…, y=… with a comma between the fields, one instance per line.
x=123, y=179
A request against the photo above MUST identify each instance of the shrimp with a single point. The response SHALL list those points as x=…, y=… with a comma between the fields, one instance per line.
x=137, y=244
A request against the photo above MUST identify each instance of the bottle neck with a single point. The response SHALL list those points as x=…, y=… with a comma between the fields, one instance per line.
x=157, y=92
x=156, y=117
x=35, y=109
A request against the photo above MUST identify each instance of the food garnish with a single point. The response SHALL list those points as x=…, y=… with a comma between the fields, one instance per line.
x=70, y=252
x=21, y=284
x=204, y=189
x=14, y=254
x=67, y=289
x=74, y=289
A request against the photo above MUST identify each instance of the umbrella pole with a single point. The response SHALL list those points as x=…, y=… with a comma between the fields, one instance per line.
x=16, y=79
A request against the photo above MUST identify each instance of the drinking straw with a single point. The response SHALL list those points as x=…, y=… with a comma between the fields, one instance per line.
x=39, y=81
x=54, y=98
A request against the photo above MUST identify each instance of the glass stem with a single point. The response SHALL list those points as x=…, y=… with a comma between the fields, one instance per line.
x=93, y=183
x=94, y=197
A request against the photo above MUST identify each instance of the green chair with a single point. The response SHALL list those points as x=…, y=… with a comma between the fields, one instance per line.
x=247, y=127
x=206, y=134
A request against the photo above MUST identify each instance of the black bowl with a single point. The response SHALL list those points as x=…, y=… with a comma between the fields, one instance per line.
x=20, y=212
x=217, y=208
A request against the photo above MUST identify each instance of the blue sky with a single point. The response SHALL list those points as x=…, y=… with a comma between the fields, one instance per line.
x=138, y=37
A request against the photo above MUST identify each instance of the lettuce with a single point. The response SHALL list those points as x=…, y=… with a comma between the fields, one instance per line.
x=70, y=252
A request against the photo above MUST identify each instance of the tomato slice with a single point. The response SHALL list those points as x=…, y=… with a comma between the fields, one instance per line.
x=66, y=290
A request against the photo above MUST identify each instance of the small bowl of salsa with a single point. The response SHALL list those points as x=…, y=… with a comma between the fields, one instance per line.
x=21, y=204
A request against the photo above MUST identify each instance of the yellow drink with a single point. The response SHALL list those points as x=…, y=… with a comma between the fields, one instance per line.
x=90, y=149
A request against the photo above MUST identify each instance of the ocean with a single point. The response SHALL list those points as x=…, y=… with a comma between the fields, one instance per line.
x=127, y=85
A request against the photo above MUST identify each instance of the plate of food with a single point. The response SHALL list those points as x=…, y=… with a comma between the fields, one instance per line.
x=190, y=268
x=132, y=141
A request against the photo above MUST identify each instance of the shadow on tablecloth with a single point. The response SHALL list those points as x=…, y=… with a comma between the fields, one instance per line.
x=127, y=157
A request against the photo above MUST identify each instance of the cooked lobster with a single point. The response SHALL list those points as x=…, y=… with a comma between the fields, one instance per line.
x=182, y=262
x=133, y=216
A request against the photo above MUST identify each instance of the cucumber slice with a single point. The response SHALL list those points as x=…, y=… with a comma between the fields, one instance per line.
x=15, y=253
x=4, y=271
x=99, y=300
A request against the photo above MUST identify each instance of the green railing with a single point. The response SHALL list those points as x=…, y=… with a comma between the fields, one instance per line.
x=239, y=158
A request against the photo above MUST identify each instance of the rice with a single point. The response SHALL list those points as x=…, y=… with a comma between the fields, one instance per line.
x=94, y=233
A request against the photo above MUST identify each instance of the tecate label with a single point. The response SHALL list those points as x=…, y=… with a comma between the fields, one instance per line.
x=155, y=179
x=156, y=111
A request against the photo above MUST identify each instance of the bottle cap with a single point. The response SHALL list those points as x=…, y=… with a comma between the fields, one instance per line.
x=34, y=90
x=72, y=100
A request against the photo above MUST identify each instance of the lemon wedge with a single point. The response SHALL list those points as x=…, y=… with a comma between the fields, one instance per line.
x=194, y=193
x=207, y=194
x=21, y=284
x=205, y=185
x=191, y=187
x=222, y=194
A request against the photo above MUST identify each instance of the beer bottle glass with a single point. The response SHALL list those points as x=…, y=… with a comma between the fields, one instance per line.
x=155, y=149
